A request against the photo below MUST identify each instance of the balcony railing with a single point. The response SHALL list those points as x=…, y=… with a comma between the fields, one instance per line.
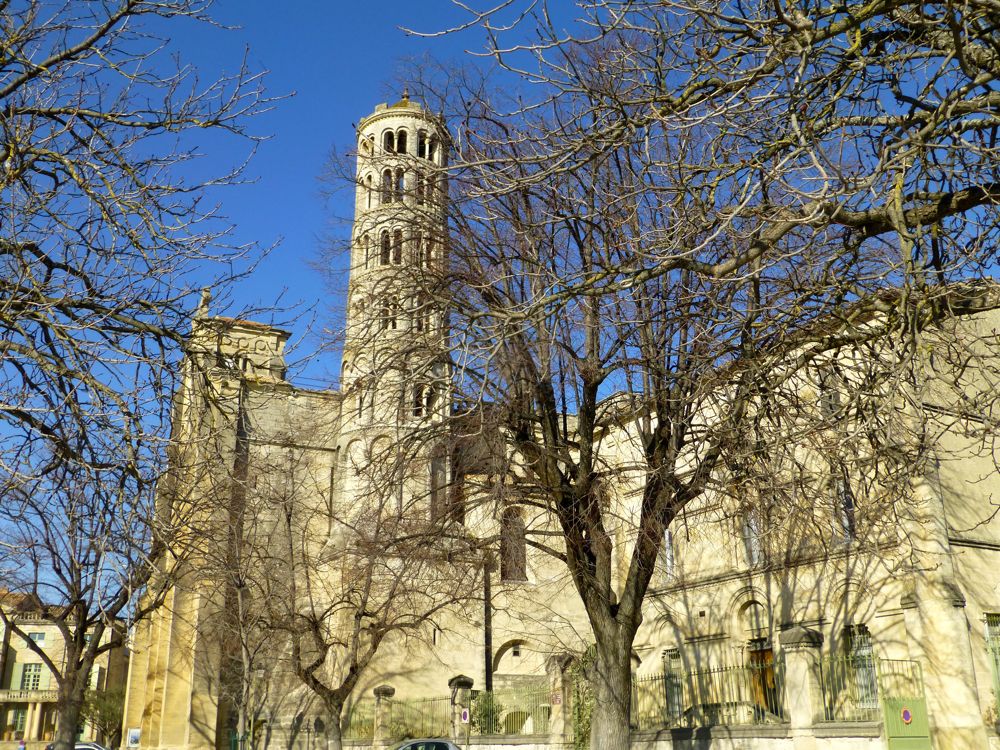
x=29, y=696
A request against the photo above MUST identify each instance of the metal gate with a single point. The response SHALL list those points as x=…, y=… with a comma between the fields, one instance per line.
x=904, y=706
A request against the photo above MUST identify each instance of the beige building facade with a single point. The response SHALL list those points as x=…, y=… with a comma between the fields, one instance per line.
x=28, y=690
x=923, y=590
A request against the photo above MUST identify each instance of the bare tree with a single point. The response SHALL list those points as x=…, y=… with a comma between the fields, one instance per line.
x=104, y=230
x=339, y=582
x=701, y=217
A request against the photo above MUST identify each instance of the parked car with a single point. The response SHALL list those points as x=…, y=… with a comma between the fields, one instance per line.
x=80, y=746
x=426, y=744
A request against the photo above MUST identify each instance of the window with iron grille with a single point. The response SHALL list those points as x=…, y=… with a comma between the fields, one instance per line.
x=993, y=648
x=861, y=653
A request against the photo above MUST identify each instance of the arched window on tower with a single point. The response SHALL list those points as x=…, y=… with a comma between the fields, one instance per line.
x=389, y=314
x=429, y=251
x=385, y=249
x=397, y=186
x=389, y=141
x=418, y=247
x=386, y=191
x=513, y=546
x=397, y=246
x=432, y=149
x=369, y=189
x=366, y=249
x=422, y=314
x=418, y=394
x=418, y=187
x=422, y=144
x=400, y=141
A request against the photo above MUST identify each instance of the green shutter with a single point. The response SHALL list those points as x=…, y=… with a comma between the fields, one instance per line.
x=15, y=676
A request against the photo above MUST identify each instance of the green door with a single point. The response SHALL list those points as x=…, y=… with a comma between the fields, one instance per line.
x=904, y=707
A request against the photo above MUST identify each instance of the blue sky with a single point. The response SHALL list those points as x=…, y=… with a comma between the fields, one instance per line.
x=335, y=60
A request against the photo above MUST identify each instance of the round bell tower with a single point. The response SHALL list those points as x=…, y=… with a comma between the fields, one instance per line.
x=393, y=372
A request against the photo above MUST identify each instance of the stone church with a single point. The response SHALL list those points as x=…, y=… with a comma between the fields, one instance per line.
x=719, y=601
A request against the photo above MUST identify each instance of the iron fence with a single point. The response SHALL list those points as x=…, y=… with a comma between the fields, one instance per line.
x=358, y=721
x=521, y=711
x=733, y=695
x=430, y=717
x=850, y=688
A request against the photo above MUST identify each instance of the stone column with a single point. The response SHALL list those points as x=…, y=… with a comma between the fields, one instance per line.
x=937, y=628
x=461, y=698
x=382, y=729
x=800, y=648
x=560, y=697
x=938, y=635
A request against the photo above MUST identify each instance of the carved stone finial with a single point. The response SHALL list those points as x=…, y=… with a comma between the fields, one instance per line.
x=206, y=298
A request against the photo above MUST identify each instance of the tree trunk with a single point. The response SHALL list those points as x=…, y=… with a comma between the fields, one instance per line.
x=334, y=740
x=611, y=678
x=70, y=708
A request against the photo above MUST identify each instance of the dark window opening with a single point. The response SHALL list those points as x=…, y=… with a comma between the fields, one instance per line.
x=397, y=246
x=418, y=187
x=385, y=195
x=397, y=191
x=388, y=315
x=385, y=253
x=422, y=144
x=845, y=508
x=753, y=542
x=513, y=547
x=389, y=141
x=401, y=142
x=418, y=400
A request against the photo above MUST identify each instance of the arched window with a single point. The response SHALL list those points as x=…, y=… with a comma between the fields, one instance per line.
x=432, y=148
x=388, y=314
x=386, y=192
x=513, y=547
x=422, y=144
x=421, y=314
x=418, y=394
x=368, y=191
x=366, y=145
x=366, y=249
x=753, y=537
x=438, y=480
x=418, y=187
x=397, y=187
x=389, y=141
x=431, y=394
x=362, y=398
x=385, y=251
x=418, y=248
x=397, y=246
x=401, y=142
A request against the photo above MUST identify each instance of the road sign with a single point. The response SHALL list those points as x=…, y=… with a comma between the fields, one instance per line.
x=465, y=716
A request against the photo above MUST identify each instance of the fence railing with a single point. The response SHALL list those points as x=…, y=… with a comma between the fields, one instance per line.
x=850, y=688
x=359, y=722
x=523, y=711
x=429, y=717
x=748, y=694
